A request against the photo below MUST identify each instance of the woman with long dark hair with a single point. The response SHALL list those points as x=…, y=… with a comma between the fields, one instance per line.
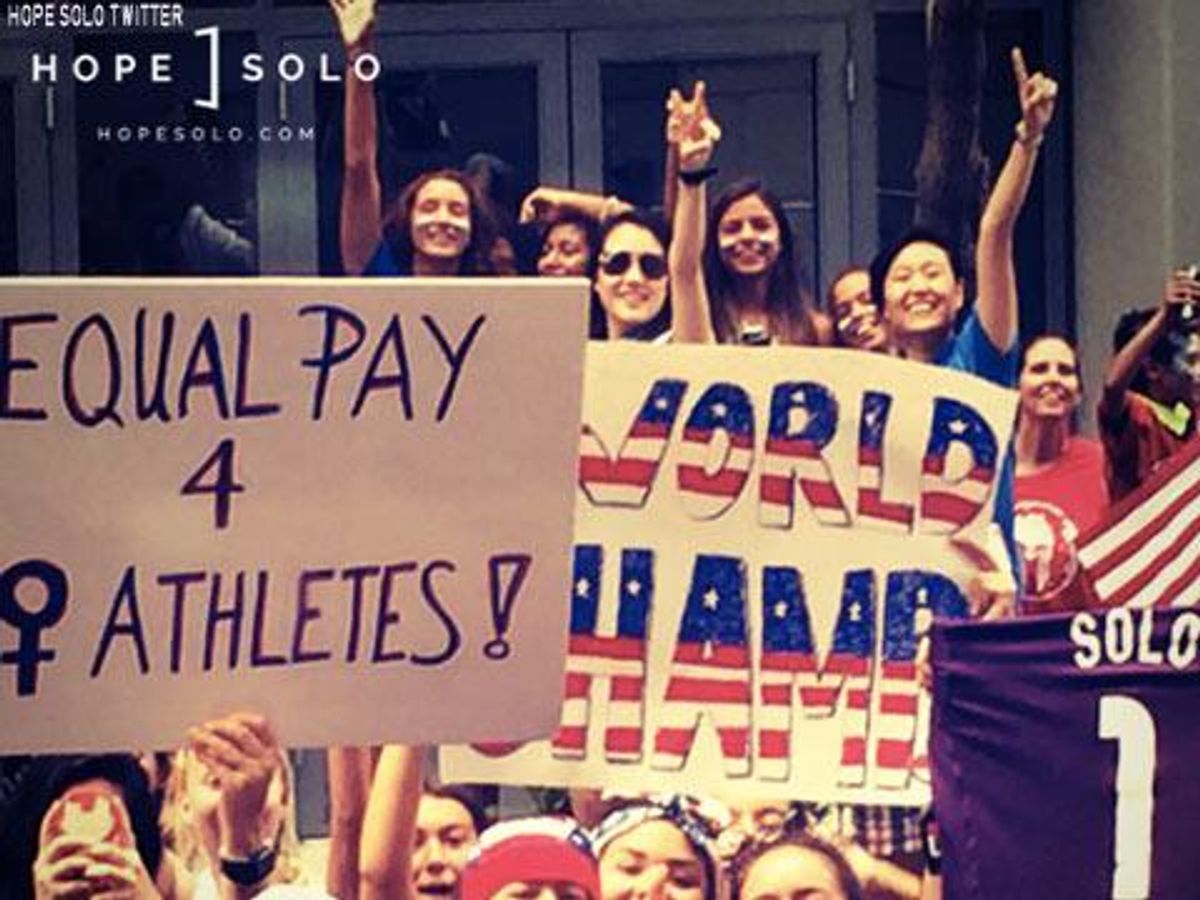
x=438, y=226
x=750, y=269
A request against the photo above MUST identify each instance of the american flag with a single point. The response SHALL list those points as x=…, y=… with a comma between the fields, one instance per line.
x=947, y=506
x=803, y=420
x=626, y=480
x=1146, y=550
x=710, y=669
x=620, y=658
x=887, y=514
x=708, y=490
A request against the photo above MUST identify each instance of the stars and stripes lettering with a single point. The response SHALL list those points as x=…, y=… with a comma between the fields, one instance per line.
x=952, y=495
x=717, y=451
x=912, y=596
x=873, y=509
x=628, y=479
x=804, y=419
x=619, y=659
x=709, y=674
x=847, y=675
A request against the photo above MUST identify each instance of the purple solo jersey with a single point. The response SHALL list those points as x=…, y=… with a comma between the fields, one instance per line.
x=1066, y=756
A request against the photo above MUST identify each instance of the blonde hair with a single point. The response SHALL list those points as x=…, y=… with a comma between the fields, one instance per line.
x=181, y=835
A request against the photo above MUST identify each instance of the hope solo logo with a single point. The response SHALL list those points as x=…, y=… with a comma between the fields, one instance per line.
x=157, y=68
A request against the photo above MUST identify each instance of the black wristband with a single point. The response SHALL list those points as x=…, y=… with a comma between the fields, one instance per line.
x=251, y=870
x=697, y=176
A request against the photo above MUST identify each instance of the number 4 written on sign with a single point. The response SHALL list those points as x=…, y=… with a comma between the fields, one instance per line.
x=221, y=482
x=1128, y=722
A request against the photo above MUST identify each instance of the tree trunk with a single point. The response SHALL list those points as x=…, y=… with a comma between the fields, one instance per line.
x=952, y=172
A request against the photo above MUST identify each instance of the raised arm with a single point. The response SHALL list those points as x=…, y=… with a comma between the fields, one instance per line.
x=543, y=203
x=360, y=229
x=694, y=133
x=349, y=771
x=997, y=296
x=385, y=861
x=242, y=757
x=1181, y=289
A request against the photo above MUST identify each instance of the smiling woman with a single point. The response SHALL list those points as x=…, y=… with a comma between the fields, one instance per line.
x=439, y=225
x=655, y=850
x=630, y=279
x=1060, y=476
x=750, y=267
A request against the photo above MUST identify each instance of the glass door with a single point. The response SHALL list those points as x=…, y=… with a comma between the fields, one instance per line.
x=442, y=99
x=787, y=82
x=26, y=119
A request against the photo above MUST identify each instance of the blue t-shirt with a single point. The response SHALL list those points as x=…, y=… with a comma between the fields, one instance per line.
x=971, y=350
x=383, y=263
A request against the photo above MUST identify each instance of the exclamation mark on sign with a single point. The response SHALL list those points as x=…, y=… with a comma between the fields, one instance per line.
x=506, y=574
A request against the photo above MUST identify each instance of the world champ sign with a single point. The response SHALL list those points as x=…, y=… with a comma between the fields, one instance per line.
x=333, y=502
x=759, y=535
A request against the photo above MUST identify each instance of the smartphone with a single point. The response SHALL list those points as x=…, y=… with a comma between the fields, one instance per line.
x=92, y=811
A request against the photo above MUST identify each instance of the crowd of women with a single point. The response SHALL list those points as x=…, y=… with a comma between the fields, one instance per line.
x=214, y=820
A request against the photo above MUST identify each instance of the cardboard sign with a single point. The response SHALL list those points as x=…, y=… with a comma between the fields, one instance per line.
x=332, y=502
x=1065, y=755
x=758, y=535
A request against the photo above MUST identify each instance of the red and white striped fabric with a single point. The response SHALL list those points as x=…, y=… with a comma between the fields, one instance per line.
x=1145, y=552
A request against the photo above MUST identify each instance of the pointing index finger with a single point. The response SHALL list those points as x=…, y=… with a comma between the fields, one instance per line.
x=1020, y=71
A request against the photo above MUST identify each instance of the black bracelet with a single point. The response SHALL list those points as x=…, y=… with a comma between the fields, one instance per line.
x=251, y=870
x=697, y=176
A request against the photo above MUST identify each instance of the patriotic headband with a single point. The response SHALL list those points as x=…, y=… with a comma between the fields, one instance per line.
x=681, y=811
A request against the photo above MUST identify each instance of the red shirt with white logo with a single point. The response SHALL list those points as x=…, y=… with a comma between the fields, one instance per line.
x=1053, y=508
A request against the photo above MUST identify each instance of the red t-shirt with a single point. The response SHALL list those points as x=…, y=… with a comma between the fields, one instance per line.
x=1138, y=438
x=1053, y=508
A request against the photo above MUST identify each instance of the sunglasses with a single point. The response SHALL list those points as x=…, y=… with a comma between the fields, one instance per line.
x=653, y=265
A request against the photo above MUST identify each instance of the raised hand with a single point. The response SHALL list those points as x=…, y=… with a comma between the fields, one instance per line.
x=242, y=756
x=540, y=204
x=1037, y=93
x=355, y=19
x=69, y=867
x=992, y=592
x=1182, y=288
x=691, y=128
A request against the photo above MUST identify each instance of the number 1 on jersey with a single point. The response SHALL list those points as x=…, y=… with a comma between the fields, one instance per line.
x=1129, y=723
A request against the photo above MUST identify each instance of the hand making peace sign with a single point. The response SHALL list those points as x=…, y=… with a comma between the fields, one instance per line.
x=692, y=128
x=354, y=18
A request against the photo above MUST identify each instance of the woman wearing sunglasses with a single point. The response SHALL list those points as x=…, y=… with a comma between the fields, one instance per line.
x=629, y=282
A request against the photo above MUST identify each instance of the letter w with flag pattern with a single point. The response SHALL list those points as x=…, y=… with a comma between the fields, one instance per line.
x=626, y=480
x=620, y=658
x=1146, y=550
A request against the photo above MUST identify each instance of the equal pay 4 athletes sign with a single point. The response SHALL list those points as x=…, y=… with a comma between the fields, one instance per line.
x=758, y=535
x=326, y=501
